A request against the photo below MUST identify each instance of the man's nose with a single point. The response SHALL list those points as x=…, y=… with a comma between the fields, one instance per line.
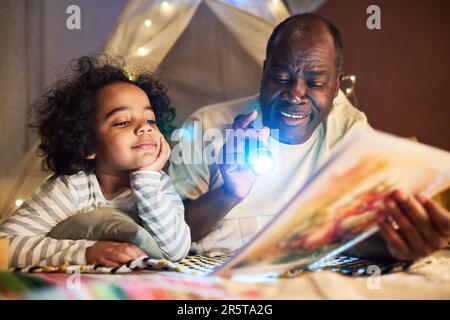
x=297, y=92
x=143, y=128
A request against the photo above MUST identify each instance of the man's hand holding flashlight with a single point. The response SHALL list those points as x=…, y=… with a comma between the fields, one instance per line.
x=237, y=174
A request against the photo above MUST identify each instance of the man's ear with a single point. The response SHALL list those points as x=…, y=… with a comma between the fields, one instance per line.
x=338, y=84
x=90, y=156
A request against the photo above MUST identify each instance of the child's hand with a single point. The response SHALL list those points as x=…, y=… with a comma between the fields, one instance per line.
x=160, y=161
x=112, y=254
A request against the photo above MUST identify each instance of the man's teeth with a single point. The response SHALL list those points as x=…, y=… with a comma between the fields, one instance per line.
x=288, y=115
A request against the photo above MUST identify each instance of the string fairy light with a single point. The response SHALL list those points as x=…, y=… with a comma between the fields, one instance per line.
x=129, y=73
x=148, y=23
x=142, y=51
x=167, y=7
x=350, y=90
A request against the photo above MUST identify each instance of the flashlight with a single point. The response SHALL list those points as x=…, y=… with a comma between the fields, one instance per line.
x=260, y=160
x=259, y=157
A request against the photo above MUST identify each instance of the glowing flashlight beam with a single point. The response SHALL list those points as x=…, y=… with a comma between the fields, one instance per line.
x=262, y=164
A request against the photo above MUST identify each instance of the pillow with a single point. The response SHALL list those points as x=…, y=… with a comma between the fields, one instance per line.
x=106, y=224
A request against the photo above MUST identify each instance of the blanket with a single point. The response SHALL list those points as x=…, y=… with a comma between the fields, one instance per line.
x=428, y=278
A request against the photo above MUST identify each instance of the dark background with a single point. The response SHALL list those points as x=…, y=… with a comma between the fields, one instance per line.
x=402, y=70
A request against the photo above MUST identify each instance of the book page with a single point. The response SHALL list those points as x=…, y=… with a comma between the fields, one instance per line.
x=337, y=207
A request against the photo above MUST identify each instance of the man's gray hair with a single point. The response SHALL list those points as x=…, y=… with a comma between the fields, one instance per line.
x=335, y=34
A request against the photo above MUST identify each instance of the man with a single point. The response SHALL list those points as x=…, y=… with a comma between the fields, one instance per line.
x=226, y=204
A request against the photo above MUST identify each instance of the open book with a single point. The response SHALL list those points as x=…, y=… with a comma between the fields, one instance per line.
x=337, y=207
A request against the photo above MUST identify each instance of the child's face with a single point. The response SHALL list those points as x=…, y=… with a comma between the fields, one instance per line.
x=127, y=137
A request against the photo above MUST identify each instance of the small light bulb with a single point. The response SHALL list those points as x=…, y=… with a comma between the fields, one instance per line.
x=129, y=74
x=353, y=78
x=148, y=23
x=275, y=2
x=19, y=202
x=348, y=90
x=165, y=4
x=142, y=51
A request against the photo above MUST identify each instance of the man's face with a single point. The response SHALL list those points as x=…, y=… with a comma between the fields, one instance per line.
x=298, y=86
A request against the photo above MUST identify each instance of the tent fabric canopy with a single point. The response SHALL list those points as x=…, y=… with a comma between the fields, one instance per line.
x=205, y=51
x=148, y=43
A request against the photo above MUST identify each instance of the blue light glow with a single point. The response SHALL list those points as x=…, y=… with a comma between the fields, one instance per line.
x=262, y=163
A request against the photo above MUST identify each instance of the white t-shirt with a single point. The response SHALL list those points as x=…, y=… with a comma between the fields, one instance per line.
x=294, y=164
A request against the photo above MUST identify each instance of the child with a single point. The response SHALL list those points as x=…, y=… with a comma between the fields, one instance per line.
x=99, y=135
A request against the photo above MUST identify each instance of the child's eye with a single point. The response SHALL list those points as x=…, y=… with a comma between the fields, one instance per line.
x=151, y=122
x=121, y=123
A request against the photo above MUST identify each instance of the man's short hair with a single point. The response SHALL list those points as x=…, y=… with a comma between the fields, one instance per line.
x=335, y=34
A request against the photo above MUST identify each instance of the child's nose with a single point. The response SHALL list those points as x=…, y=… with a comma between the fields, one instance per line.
x=144, y=128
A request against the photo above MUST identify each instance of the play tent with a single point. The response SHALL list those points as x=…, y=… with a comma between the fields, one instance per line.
x=205, y=51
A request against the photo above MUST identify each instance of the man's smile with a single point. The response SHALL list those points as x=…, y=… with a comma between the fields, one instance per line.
x=294, y=119
x=294, y=116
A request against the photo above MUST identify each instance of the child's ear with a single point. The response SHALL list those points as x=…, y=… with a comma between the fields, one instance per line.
x=90, y=156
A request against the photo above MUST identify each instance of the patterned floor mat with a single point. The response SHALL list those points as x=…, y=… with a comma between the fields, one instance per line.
x=195, y=265
x=201, y=265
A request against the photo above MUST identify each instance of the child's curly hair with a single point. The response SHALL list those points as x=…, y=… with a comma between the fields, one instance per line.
x=65, y=114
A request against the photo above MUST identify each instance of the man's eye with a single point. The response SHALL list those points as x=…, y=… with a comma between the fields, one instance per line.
x=151, y=122
x=315, y=84
x=280, y=77
x=280, y=80
x=121, y=124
